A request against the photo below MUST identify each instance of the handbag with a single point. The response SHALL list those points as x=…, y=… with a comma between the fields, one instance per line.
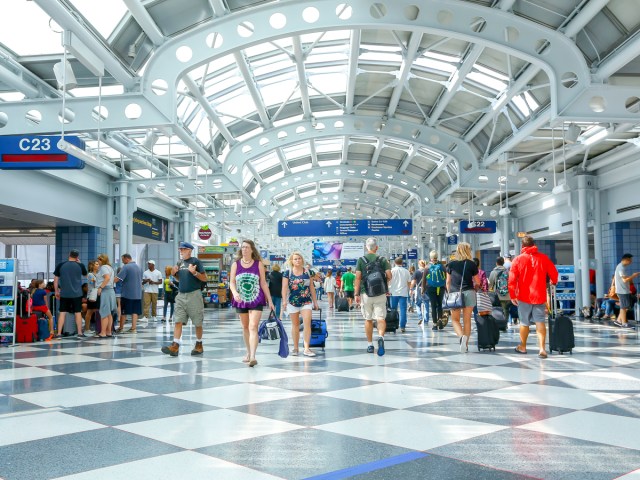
x=455, y=300
x=93, y=295
x=612, y=290
x=270, y=330
x=484, y=302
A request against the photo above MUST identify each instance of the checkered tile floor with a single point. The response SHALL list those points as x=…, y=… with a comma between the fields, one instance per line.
x=111, y=409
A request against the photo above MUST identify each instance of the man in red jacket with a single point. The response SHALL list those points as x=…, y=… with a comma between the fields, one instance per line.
x=528, y=290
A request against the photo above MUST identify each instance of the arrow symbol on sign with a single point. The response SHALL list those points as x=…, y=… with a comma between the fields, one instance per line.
x=284, y=224
x=329, y=224
x=405, y=223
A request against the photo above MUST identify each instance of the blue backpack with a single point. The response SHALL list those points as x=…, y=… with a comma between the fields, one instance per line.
x=435, y=275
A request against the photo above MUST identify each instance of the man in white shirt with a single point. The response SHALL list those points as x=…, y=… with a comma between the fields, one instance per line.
x=399, y=290
x=151, y=279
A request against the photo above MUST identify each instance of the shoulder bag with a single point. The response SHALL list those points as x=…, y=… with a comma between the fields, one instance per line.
x=455, y=300
x=612, y=290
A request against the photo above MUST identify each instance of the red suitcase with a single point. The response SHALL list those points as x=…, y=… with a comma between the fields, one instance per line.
x=26, y=329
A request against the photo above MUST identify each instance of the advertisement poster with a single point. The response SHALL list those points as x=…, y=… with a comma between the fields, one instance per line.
x=336, y=253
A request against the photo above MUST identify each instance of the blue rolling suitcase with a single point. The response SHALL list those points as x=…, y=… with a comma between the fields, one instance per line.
x=319, y=332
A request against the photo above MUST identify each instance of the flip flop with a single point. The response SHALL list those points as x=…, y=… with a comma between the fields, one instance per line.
x=542, y=355
x=520, y=351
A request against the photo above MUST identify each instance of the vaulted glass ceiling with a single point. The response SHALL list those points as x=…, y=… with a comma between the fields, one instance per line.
x=494, y=99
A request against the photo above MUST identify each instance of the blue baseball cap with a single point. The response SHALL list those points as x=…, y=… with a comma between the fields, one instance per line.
x=185, y=245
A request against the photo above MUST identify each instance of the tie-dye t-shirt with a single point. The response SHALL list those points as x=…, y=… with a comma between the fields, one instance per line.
x=248, y=285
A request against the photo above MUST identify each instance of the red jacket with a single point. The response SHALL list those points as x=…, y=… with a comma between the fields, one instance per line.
x=528, y=276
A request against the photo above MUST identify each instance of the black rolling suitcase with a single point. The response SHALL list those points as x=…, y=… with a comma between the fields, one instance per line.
x=342, y=303
x=319, y=331
x=498, y=315
x=561, y=336
x=392, y=318
x=488, y=332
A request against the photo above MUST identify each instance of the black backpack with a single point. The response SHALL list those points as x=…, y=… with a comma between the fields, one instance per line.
x=375, y=278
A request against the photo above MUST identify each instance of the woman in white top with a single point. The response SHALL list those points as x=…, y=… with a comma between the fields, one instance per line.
x=330, y=288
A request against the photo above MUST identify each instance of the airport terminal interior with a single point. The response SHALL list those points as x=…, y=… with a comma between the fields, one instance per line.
x=129, y=126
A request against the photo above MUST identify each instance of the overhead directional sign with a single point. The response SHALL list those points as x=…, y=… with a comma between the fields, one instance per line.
x=25, y=152
x=332, y=228
x=478, y=226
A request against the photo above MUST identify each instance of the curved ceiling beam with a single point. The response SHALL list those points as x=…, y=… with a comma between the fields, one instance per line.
x=550, y=50
x=345, y=172
x=338, y=126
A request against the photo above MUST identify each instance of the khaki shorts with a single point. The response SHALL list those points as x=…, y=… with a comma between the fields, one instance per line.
x=374, y=308
x=189, y=305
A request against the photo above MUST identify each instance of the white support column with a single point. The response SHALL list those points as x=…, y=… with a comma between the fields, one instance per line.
x=187, y=225
x=601, y=288
x=125, y=215
x=504, y=237
x=576, y=250
x=109, y=231
x=584, y=244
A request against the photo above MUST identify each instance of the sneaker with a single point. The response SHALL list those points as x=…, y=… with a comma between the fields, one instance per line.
x=172, y=349
x=81, y=335
x=294, y=353
x=463, y=344
x=154, y=319
x=57, y=337
x=370, y=349
x=402, y=330
x=617, y=323
x=626, y=325
x=380, y=346
x=164, y=320
x=197, y=350
x=131, y=330
x=309, y=353
x=435, y=327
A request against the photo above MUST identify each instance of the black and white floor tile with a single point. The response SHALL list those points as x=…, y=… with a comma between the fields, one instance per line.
x=120, y=409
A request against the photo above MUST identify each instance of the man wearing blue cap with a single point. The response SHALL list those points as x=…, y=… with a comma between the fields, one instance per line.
x=189, y=304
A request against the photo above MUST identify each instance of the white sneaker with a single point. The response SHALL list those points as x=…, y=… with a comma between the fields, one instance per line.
x=463, y=344
x=154, y=319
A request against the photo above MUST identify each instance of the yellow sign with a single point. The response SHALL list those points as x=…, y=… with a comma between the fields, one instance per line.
x=522, y=234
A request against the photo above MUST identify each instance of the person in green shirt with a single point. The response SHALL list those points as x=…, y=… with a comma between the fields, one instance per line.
x=373, y=308
x=347, y=286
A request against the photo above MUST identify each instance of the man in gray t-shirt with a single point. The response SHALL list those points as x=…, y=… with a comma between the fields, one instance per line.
x=623, y=277
x=131, y=298
x=67, y=283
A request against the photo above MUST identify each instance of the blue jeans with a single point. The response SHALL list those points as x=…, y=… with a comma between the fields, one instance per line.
x=400, y=303
x=609, y=307
x=422, y=302
x=277, y=303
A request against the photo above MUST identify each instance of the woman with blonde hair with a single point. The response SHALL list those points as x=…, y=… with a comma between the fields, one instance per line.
x=462, y=275
x=298, y=298
x=92, y=294
x=250, y=292
x=170, y=287
x=104, y=281
x=329, y=286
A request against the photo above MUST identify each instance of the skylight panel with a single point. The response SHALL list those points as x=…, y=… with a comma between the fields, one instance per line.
x=329, y=187
x=237, y=104
x=490, y=72
x=521, y=105
x=307, y=193
x=437, y=65
x=297, y=151
x=329, y=145
x=329, y=163
x=285, y=199
x=205, y=131
x=488, y=81
x=256, y=190
x=300, y=168
x=279, y=90
x=225, y=81
x=266, y=162
x=378, y=56
x=328, y=83
x=259, y=49
x=104, y=16
x=443, y=57
x=38, y=39
x=247, y=177
x=144, y=173
x=273, y=177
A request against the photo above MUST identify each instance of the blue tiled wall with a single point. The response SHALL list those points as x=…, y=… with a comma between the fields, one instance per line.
x=617, y=239
x=90, y=241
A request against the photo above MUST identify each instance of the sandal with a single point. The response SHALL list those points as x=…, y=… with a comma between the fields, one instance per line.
x=100, y=336
x=253, y=363
x=520, y=351
x=542, y=355
x=245, y=359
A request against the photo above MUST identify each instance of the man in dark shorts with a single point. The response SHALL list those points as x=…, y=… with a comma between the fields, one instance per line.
x=131, y=297
x=623, y=279
x=347, y=286
x=528, y=291
x=189, y=304
x=67, y=284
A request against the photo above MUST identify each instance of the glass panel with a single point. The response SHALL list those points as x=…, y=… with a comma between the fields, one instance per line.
x=104, y=16
x=38, y=39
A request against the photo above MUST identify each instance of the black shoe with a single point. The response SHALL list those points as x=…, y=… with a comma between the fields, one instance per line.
x=370, y=349
x=435, y=327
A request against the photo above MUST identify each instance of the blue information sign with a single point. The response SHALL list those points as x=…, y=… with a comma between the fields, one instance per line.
x=25, y=152
x=332, y=228
x=277, y=258
x=412, y=254
x=478, y=226
x=452, y=240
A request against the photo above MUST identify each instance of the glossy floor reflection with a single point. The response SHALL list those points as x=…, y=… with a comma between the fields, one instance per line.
x=121, y=409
